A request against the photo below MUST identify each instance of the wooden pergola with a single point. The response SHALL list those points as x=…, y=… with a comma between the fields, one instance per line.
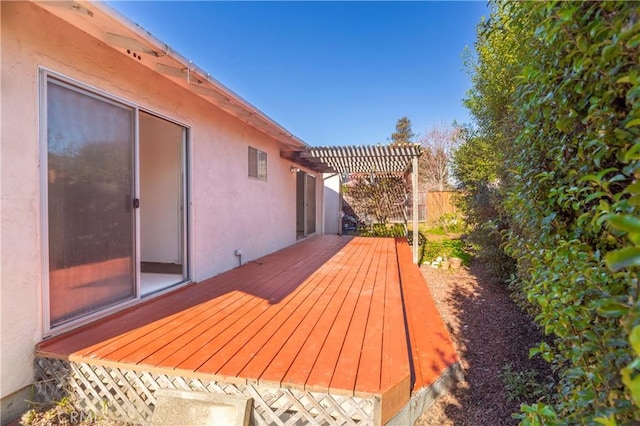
x=373, y=159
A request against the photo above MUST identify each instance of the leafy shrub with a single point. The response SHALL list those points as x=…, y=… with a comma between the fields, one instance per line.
x=451, y=223
x=565, y=117
x=476, y=168
x=447, y=248
x=487, y=241
x=382, y=230
x=521, y=385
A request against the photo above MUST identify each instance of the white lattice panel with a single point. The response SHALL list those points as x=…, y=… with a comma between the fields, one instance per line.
x=129, y=395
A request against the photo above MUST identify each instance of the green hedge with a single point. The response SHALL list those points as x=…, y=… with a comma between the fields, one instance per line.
x=571, y=195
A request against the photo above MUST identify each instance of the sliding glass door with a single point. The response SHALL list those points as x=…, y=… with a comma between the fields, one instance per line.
x=90, y=141
x=310, y=205
x=305, y=204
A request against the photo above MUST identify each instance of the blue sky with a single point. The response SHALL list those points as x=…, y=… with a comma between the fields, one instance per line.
x=332, y=73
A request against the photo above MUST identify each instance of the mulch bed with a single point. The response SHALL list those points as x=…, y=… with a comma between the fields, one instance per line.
x=488, y=331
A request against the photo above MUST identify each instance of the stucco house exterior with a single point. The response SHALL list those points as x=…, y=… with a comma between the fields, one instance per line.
x=124, y=164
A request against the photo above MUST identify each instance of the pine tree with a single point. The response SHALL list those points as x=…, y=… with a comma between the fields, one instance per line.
x=403, y=134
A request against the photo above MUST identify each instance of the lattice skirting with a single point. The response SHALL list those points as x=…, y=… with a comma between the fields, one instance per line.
x=129, y=395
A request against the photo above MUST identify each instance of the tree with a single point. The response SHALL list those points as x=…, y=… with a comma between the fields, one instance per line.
x=476, y=168
x=403, y=134
x=479, y=161
x=377, y=197
x=438, y=145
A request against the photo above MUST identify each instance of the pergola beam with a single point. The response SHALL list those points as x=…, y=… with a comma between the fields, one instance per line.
x=356, y=159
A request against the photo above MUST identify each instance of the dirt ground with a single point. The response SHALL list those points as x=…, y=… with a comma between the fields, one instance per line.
x=488, y=331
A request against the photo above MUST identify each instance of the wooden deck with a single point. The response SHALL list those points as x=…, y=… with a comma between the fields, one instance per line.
x=333, y=314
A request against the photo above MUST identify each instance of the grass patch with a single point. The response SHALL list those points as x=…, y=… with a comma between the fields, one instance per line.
x=446, y=248
x=432, y=231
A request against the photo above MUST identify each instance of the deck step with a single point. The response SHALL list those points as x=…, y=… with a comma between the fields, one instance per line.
x=175, y=407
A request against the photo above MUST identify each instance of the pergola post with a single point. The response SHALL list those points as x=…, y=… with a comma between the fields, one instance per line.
x=415, y=213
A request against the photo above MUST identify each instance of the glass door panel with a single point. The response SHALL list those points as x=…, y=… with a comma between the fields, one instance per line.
x=91, y=221
x=310, y=205
x=300, y=203
x=162, y=199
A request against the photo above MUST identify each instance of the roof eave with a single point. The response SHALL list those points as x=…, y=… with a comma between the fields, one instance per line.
x=117, y=31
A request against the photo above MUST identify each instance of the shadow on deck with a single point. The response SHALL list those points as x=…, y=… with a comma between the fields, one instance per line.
x=331, y=330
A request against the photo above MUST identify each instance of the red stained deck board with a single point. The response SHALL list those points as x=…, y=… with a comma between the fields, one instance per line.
x=155, y=340
x=302, y=365
x=177, y=333
x=141, y=340
x=284, y=344
x=201, y=342
x=216, y=353
x=250, y=344
x=370, y=365
x=209, y=342
x=212, y=353
x=395, y=360
x=301, y=337
x=204, y=327
x=432, y=347
x=195, y=337
x=352, y=349
x=325, y=314
x=265, y=345
x=324, y=368
x=395, y=381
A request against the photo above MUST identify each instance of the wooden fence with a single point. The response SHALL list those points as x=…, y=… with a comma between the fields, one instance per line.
x=431, y=206
x=436, y=205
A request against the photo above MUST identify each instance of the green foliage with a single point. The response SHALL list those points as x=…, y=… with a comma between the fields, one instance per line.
x=403, y=134
x=451, y=223
x=476, y=162
x=382, y=230
x=538, y=414
x=487, y=241
x=447, y=248
x=521, y=385
x=434, y=231
x=562, y=112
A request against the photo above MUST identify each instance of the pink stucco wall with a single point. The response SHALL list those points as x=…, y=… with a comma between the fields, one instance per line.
x=227, y=210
